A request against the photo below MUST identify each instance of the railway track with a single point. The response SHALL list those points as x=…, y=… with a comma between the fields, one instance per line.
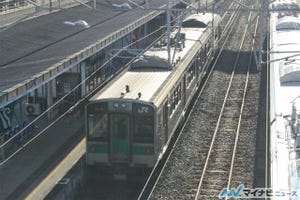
x=221, y=160
x=105, y=187
x=215, y=149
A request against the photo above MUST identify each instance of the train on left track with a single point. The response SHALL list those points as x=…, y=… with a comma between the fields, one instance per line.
x=130, y=121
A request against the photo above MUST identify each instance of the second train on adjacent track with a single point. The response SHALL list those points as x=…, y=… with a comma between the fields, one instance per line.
x=130, y=121
x=285, y=98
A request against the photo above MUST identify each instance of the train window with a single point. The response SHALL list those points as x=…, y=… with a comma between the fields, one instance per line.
x=177, y=94
x=217, y=33
x=207, y=47
x=143, y=131
x=175, y=99
x=143, y=123
x=200, y=59
x=190, y=75
x=98, y=126
x=203, y=56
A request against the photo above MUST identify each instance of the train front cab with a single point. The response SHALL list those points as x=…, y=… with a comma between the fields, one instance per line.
x=120, y=133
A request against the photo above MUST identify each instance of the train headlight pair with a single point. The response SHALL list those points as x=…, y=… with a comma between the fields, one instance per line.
x=120, y=105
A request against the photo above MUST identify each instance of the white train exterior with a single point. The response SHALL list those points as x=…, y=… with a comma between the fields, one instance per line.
x=131, y=120
x=285, y=100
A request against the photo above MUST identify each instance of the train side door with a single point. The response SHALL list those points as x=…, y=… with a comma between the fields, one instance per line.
x=119, y=126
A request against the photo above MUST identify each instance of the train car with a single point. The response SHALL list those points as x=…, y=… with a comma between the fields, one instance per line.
x=285, y=100
x=130, y=121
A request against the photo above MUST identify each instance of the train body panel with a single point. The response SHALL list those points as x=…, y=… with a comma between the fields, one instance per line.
x=131, y=120
x=284, y=97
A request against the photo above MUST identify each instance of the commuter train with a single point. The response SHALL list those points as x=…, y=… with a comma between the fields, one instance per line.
x=130, y=121
x=284, y=117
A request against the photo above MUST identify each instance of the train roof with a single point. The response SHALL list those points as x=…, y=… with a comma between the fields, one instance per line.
x=286, y=38
x=290, y=71
x=284, y=8
x=288, y=23
x=284, y=96
x=286, y=66
x=158, y=57
x=150, y=74
x=286, y=45
x=283, y=4
x=289, y=64
x=288, y=58
x=154, y=58
x=138, y=82
x=200, y=20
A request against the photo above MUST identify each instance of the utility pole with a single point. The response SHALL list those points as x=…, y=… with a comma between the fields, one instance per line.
x=50, y=5
x=260, y=28
x=213, y=28
x=168, y=30
x=147, y=4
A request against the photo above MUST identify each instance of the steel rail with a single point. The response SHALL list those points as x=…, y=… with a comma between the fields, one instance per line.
x=267, y=122
x=219, y=119
x=241, y=110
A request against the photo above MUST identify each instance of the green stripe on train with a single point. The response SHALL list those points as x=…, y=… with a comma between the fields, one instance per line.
x=136, y=149
x=97, y=148
x=142, y=150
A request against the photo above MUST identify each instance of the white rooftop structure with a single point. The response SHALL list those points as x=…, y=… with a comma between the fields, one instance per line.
x=288, y=23
x=284, y=100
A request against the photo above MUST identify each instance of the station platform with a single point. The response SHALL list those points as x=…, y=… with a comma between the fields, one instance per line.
x=26, y=170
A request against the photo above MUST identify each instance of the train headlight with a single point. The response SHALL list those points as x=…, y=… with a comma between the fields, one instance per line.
x=92, y=148
x=148, y=151
x=116, y=105
x=123, y=105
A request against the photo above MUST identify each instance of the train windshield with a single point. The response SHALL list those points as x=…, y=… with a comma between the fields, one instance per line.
x=97, y=122
x=143, y=124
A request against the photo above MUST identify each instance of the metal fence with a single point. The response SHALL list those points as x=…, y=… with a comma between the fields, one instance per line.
x=10, y=5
